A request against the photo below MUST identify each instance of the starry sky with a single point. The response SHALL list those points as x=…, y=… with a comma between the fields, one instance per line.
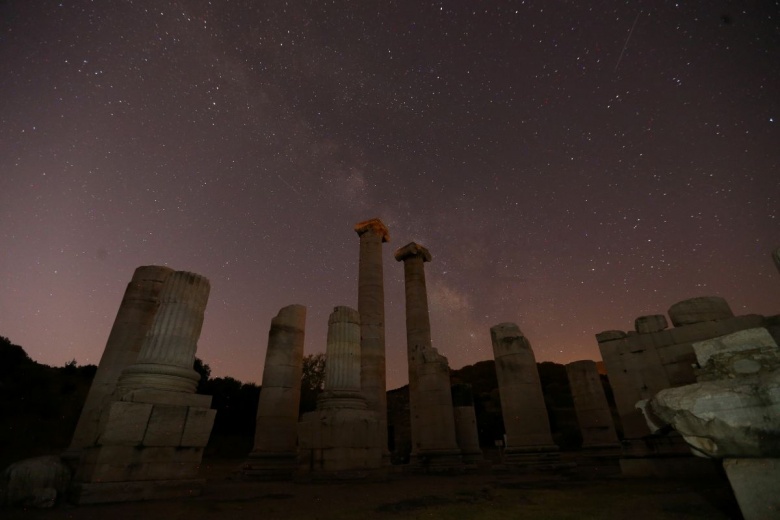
x=570, y=165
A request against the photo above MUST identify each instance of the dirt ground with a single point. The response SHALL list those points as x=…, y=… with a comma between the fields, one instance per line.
x=583, y=493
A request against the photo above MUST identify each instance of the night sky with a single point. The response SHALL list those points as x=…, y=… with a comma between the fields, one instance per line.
x=570, y=165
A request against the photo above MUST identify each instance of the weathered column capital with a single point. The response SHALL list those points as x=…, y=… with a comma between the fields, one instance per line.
x=412, y=249
x=375, y=226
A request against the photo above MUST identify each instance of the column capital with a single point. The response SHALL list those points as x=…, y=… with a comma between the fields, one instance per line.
x=375, y=225
x=412, y=249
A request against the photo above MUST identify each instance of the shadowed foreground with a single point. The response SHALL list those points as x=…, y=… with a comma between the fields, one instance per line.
x=481, y=496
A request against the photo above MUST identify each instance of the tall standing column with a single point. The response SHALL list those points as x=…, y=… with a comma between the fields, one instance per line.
x=168, y=352
x=522, y=401
x=371, y=306
x=430, y=403
x=133, y=321
x=590, y=405
x=274, y=452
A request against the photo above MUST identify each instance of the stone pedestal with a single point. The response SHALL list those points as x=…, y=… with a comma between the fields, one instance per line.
x=274, y=453
x=528, y=437
x=133, y=321
x=153, y=433
x=434, y=447
x=466, y=433
x=371, y=306
x=342, y=438
x=591, y=407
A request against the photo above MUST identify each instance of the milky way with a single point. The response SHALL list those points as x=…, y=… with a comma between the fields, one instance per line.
x=570, y=165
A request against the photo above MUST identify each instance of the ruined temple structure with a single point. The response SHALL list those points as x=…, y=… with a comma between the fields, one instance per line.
x=274, y=455
x=342, y=437
x=371, y=306
x=654, y=357
x=731, y=414
x=590, y=405
x=528, y=438
x=153, y=430
x=434, y=445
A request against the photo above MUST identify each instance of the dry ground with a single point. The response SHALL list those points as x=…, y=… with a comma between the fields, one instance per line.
x=582, y=494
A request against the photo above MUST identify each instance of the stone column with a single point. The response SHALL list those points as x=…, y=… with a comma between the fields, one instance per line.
x=152, y=434
x=133, y=321
x=341, y=439
x=274, y=452
x=371, y=306
x=168, y=352
x=466, y=431
x=522, y=402
x=343, y=366
x=430, y=404
x=590, y=405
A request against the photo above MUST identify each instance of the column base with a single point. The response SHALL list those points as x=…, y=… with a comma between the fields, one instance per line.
x=270, y=466
x=756, y=484
x=103, y=492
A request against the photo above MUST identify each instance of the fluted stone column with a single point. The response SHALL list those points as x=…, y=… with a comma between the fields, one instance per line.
x=341, y=439
x=343, y=367
x=466, y=431
x=132, y=323
x=590, y=405
x=274, y=452
x=152, y=434
x=430, y=404
x=371, y=306
x=168, y=353
x=522, y=401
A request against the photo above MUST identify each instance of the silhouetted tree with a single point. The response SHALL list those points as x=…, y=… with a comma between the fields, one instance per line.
x=312, y=381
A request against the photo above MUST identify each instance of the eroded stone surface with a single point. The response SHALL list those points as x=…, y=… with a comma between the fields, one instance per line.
x=700, y=309
x=649, y=324
x=522, y=402
x=36, y=482
x=133, y=320
x=590, y=405
x=274, y=452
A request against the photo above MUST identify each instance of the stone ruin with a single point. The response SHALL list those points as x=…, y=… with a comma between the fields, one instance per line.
x=143, y=430
x=642, y=362
x=528, y=437
x=274, y=455
x=732, y=413
x=342, y=438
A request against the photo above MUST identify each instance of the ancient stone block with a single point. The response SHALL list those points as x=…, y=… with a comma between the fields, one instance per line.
x=701, y=309
x=610, y=335
x=652, y=323
x=197, y=427
x=590, y=405
x=166, y=425
x=126, y=423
